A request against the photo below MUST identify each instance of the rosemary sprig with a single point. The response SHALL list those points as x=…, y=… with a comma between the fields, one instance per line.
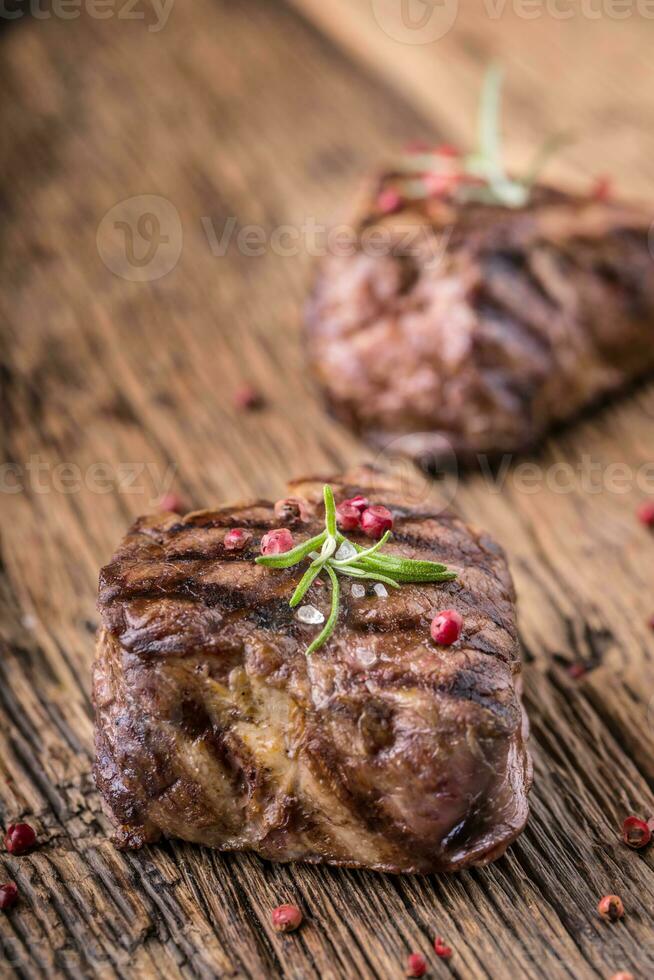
x=488, y=181
x=330, y=625
x=363, y=564
x=487, y=161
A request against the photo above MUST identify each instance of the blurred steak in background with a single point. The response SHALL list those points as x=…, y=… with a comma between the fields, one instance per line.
x=472, y=328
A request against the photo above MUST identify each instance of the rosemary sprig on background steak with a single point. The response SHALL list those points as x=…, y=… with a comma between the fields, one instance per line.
x=352, y=561
x=480, y=176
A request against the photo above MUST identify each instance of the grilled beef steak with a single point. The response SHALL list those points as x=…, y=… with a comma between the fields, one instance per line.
x=381, y=750
x=470, y=329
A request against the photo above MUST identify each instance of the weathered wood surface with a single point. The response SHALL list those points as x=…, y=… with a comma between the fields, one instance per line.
x=245, y=110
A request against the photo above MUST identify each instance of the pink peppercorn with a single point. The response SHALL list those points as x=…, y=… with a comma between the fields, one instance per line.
x=247, y=398
x=292, y=509
x=645, y=513
x=376, y=520
x=172, y=502
x=389, y=201
x=286, y=918
x=236, y=539
x=348, y=517
x=446, y=627
x=441, y=949
x=610, y=908
x=20, y=838
x=359, y=501
x=276, y=542
x=416, y=965
x=636, y=833
x=8, y=895
x=602, y=189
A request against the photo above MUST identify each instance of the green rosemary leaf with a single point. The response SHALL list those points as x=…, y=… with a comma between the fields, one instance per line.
x=293, y=556
x=403, y=571
x=305, y=583
x=426, y=578
x=314, y=569
x=328, y=548
x=407, y=566
x=349, y=570
x=330, y=510
x=360, y=573
x=379, y=577
x=329, y=626
x=393, y=561
x=489, y=126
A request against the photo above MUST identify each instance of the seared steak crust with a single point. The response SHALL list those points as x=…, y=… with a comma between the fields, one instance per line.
x=381, y=750
x=478, y=327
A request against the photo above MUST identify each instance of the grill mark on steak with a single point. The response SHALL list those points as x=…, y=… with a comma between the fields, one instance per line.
x=224, y=554
x=212, y=725
x=507, y=271
x=210, y=520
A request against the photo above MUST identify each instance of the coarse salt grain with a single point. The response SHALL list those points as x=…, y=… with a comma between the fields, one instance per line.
x=311, y=615
x=366, y=657
x=381, y=590
x=358, y=591
x=346, y=550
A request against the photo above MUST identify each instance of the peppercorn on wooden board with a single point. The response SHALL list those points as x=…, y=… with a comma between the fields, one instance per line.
x=116, y=390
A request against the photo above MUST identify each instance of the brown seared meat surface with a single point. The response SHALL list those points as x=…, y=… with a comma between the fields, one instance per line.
x=475, y=328
x=381, y=750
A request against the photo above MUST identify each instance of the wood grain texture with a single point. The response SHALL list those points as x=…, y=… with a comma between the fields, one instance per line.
x=250, y=112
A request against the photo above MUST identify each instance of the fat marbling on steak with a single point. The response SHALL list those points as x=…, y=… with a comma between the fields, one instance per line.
x=381, y=750
x=465, y=329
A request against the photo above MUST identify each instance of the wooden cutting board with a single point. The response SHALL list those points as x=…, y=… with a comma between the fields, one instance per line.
x=122, y=345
